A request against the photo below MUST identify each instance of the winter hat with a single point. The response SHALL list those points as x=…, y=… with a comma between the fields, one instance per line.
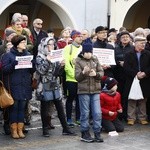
x=87, y=48
x=110, y=82
x=74, y=34
x=9, y=32
x=17, y=39
x=123, y=33
x=139, y=38
x=100, y=28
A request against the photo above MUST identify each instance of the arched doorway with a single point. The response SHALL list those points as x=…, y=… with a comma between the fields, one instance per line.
x=138, y=15
x=51, y=12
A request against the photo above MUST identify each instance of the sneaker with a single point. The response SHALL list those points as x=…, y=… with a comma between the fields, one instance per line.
x=70, y=123
x=78, y=122
x=131, y=122
x=86, y=137
x=68, y=132
x=98, y=137
x=143, y=122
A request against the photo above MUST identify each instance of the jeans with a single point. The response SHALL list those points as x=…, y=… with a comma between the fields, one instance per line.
x=86, y=102
x=17, y=111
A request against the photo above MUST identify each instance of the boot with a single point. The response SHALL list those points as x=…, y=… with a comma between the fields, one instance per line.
x=14, y=133
x=51, y=126
x=86, y=137
x=46, y=132
x=98, y=137
x=20, y=130
x=6, y=127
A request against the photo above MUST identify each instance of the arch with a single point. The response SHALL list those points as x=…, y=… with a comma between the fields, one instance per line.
x=64, y=16
x=137, y=15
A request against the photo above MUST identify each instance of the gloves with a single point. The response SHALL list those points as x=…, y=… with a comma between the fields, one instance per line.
x=92, y=73
x=86, y=70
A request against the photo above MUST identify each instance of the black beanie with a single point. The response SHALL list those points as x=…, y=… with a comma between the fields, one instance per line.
x=87, y=48
x=110, y=82
x=17, y=39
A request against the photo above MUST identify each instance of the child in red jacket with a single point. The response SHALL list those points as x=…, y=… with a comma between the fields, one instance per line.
x=111, y=106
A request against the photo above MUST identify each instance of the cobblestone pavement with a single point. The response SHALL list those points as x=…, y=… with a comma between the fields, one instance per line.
x=135, y=137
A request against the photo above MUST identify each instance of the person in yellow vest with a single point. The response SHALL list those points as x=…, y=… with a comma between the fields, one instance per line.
x=71, y=52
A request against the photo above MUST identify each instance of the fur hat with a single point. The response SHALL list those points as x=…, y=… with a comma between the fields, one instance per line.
x=87, y=48
x=110, y=82
x=100, y=28
x=9, y=32
x=17, y=39
x=74, y=34
x=139, y=38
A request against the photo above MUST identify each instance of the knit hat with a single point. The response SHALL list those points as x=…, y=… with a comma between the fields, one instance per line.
x=110, y=82
x=74, y=34
x=87, y=48
x=9, y=32
x=112, y=30
x=100, y=28
x=139, y=38
x=17, y=39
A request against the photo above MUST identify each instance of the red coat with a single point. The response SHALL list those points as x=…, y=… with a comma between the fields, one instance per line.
x=110, y=103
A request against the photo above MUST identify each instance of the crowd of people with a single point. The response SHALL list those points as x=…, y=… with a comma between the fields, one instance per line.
x=100, y=91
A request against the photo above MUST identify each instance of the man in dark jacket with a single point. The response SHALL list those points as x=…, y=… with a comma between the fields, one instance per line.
x=137, y=63
x=37, y=34
x=101, y=42
x=121, y=49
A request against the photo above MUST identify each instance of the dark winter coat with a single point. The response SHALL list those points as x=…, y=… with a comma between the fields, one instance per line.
x=120, y=52
x=37, y=39
x=105, y=45
x=18, y=80
x=131, y=69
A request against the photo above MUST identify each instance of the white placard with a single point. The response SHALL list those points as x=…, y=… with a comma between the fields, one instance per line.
x=105, y=56
x=24, y=62
x=56, y=55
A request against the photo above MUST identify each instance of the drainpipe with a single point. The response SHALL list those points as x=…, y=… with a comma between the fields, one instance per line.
x=108, y=13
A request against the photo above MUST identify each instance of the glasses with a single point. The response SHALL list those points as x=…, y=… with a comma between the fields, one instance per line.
x=39, y=23
x=102, y=32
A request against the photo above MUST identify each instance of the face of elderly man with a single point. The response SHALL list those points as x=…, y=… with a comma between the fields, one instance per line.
x=140, y=45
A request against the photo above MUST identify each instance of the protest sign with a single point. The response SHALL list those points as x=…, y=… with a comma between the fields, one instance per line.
x=24, y=62
x=56, y=55
x=105, y=56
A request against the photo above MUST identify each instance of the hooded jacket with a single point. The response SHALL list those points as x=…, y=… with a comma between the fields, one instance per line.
x=87, y=84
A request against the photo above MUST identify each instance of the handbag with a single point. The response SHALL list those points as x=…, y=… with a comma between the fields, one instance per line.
x=6, y=99
x=135, y=90
x=51, y=93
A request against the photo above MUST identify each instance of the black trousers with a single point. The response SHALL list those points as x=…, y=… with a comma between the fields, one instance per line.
x=45, y=113
x=115, y=125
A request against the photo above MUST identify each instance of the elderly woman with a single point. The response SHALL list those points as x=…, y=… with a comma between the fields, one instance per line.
x=49, y=88
x=18, y=81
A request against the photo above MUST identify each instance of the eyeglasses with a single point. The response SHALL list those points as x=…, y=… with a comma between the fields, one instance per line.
x=102, y=32
x=39, y=23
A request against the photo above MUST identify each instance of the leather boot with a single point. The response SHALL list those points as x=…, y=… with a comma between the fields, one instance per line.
x=20, y=130
x=14, y=133
x=51, y=126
